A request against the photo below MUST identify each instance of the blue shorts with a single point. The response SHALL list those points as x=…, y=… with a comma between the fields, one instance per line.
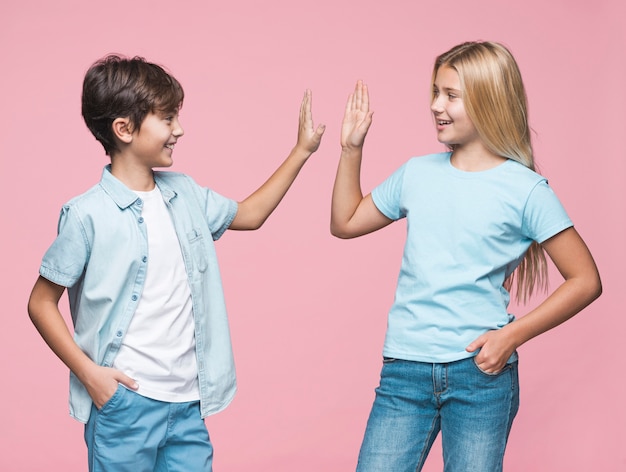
x=138, y=434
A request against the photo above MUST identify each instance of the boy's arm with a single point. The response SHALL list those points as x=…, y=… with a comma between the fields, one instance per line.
x=254, y=210
x=43, y=309
x=580, y=287
x=352, y=214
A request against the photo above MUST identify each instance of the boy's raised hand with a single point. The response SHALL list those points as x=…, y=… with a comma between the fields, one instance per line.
x=357, y=118
x=309, y=138
x=257, y=207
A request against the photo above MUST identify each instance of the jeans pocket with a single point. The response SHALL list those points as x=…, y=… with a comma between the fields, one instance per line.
x=490, y=374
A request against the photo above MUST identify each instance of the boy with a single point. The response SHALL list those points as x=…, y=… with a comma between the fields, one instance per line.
x=151, y=353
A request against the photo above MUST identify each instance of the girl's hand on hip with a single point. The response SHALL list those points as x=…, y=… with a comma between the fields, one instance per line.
x=495, y=347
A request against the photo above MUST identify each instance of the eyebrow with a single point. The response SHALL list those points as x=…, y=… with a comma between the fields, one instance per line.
x=447, y=89
x=165, y=112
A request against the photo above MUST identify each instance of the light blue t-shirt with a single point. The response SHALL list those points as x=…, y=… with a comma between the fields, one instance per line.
x=101, y=255
x=466, y=232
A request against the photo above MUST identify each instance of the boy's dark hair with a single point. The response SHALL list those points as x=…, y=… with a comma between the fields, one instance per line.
x=118, y=87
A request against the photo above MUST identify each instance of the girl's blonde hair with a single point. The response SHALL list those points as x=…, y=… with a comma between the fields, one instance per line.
x=495, y=100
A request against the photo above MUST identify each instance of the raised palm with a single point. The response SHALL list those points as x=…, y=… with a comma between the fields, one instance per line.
x=309, y=137
x=357, y=117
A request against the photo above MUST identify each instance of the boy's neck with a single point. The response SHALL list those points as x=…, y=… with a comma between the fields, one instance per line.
x=135, y=177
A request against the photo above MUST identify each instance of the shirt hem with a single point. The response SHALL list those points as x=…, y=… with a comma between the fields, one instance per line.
x=437, y=359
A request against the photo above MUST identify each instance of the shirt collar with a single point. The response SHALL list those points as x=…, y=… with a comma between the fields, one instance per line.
x=119, y=193
x=122, y=195
x=167, y=191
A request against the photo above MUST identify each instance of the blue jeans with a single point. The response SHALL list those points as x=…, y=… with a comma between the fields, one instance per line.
x=415, y=400
x=132, y=433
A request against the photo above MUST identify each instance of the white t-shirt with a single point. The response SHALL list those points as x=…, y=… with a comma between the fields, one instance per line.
x=158, y=350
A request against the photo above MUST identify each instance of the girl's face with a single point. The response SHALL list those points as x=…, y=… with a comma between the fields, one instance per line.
x=454, y=127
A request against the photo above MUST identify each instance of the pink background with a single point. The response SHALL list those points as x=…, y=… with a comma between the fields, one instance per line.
x=308, y=311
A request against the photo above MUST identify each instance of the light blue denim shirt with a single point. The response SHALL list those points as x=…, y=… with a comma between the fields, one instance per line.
x=101, y=255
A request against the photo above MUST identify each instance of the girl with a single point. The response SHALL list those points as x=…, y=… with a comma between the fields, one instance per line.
x=477, y=216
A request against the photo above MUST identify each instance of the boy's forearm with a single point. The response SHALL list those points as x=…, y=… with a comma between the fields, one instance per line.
x=48, y=320
x=256, y=208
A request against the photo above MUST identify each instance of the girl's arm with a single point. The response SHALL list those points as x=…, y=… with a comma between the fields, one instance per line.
x=581, y=286
x=43, y=308
x=254, y=210
x=352, y=214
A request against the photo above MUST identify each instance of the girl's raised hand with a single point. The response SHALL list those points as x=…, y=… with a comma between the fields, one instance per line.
x=309, y=138
x=357, y=118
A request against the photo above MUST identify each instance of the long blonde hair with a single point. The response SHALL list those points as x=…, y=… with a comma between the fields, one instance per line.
x=495, y=100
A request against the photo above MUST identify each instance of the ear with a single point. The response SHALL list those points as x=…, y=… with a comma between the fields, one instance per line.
x=122, y=129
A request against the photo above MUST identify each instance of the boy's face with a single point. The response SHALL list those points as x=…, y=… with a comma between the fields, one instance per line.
x=153, y=143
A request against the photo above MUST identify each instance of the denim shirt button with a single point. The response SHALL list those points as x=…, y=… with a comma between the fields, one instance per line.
x=140, y=219
x=144, y=258
x=119, y=334
x=134, y=298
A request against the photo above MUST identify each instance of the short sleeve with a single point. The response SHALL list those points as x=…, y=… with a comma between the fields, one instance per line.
x=388, y=195
x=544, y=215
x=65, y=260
x=220, y=211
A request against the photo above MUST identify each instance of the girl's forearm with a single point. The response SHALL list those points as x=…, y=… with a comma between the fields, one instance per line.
x=347, y=193
x=567, y=300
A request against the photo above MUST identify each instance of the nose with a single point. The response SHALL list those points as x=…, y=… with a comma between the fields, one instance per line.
x=178, y=130
x=436, y=105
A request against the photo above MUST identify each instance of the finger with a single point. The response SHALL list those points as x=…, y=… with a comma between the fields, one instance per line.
x=127, y=381
x=349, y=103
x=358, y=94
x=490, y=368
x=320, y=130
x=475, y=344
x=365, y=99
x=308, y=115
x=486, y=364
x=303, y=106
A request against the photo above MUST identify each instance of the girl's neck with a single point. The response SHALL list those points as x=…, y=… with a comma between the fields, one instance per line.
x=475, y=159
